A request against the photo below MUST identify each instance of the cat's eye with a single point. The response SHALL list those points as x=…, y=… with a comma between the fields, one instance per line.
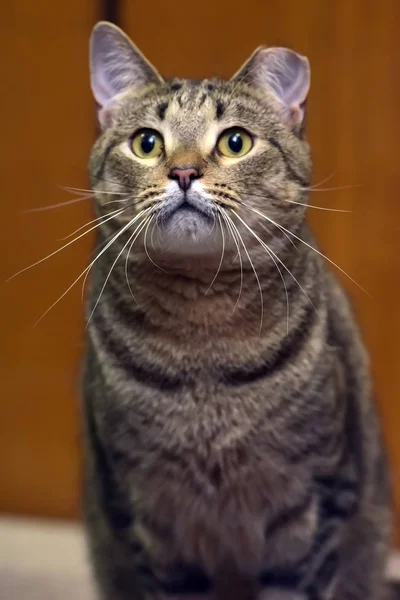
x=234, y=143
x=147, y=143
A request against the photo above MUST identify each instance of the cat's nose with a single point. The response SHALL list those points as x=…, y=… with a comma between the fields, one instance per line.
x=185, y=176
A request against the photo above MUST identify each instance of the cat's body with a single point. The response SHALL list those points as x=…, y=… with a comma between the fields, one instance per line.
x=232, y=452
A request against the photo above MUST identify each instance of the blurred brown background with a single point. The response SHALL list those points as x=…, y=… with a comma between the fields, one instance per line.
x=48, y=126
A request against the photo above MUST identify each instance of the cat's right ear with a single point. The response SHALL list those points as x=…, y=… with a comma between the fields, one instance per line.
x=116, y=66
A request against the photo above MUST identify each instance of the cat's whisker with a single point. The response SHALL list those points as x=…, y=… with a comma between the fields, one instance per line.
x=92, y=192
x=138, y=228
x=127, y=262
x=222, y=254
x=120, y=201
x=325, y=180
x=213, y=226
x=232, y=232
x=284, y=233
x=331, y=189
x=128, y=187
x=38, y=262
x=305, y=204
x=59, y=205
x=86, y=270
x=273, y=255
x=308, y=246
x=131, y=222
x=145, y=246
x=254, y=271
x=116, y=212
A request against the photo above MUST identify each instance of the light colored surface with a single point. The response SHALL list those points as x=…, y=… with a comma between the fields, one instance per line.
x=43, y=561
x=47, y=561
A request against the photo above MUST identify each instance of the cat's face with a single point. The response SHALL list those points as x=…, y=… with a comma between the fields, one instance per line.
x=199, y=167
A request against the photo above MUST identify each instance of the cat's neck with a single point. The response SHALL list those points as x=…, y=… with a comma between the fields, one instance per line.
x=193, y=298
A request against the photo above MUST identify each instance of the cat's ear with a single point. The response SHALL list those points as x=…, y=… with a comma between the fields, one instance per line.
x=116, y=65
x=282, y=71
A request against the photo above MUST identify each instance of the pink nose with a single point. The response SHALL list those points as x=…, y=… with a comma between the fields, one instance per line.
x=184, y=177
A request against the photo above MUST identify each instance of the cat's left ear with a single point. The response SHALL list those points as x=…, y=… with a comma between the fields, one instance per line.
x=283, y=72
x=116, y=66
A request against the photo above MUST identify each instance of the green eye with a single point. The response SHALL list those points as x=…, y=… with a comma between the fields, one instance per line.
x=147, y=143
x=234, y=143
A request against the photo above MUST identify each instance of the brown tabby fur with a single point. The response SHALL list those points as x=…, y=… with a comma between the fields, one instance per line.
x=231, y=452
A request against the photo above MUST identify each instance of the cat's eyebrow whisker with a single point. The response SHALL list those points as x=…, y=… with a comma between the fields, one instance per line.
x=38, y=262
x=115, y=212
x=308, y=246
x=228, y=220
x=254, y=271
x=222, y=254
x=273, y=255
x=139, y=227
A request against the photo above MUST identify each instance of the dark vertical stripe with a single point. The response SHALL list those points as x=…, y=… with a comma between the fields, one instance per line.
x=289, y=168
x=111, y=11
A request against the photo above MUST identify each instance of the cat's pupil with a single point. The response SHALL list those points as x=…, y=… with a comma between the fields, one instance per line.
x=148, y=142
x=235, y=142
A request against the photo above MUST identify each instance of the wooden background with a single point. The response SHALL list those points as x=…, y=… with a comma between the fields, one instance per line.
x=48, y=127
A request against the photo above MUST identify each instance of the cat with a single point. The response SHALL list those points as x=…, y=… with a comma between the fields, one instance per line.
x=232, y=448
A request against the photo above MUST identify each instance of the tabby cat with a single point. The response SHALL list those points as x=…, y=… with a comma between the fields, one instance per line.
x=232, y=446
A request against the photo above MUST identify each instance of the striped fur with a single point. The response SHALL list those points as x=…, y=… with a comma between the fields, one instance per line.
x=225, y=457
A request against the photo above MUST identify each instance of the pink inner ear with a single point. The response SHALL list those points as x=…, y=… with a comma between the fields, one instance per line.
x=104, y=116
x=296, y=113
x=287, y=75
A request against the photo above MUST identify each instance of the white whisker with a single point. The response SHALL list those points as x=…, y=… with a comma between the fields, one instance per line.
x=115, y=262
x=86, y=270
x=323, y=180
x=285, y=234
x=58, y=250
x=232, y=231
x=339, y=210
x=331, y=189
x=92, y=192
x=131, y=222
x=308, y=246
x=254, y=271
x=116, y=212
x=59, y=205
x=138, y=232
x=222, y=255
x=305, y=204
x=273, y=256
x=145, y=246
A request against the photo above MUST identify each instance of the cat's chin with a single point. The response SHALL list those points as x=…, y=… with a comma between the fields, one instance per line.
x=187, y=232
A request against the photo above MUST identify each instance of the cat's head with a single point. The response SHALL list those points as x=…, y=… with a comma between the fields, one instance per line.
x=195, y=166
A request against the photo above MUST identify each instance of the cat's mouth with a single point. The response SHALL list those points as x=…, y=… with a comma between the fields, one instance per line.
x=185, y=208
x=186, y=223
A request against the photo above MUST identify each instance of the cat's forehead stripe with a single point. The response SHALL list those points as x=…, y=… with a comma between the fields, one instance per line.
x=161, y=110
